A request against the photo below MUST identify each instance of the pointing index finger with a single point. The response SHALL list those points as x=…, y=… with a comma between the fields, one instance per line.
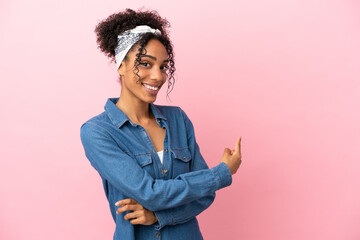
x=238, y=145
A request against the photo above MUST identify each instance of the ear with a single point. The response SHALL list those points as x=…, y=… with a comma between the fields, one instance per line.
x=121, y=69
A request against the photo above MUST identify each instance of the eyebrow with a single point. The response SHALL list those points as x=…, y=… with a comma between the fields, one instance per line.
x=152, y=57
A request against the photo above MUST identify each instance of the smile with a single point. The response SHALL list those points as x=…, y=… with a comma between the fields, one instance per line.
x=150, y=87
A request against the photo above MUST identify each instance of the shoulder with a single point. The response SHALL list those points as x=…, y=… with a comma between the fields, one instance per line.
x=95, y=125
x=98, y=119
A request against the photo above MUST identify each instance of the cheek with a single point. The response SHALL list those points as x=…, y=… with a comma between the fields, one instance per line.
x=166, y=75
x=141, y=74
x=136, y=76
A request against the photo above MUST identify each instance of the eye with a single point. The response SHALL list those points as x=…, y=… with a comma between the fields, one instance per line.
x=165, y=67
x=144, y=64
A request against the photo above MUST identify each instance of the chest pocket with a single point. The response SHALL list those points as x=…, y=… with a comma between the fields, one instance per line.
x=145, y=161
x=181, y=161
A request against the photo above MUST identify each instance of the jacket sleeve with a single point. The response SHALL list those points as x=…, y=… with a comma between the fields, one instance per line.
x=189, y=210
x=129, y=178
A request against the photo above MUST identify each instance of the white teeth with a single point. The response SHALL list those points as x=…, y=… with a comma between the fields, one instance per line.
x=150, y=87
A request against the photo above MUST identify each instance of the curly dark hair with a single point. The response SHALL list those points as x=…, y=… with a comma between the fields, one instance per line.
x=108, y=30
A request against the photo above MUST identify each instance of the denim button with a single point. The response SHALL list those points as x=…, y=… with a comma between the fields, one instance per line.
x=166, y=150
x=181, y=161
x=157, y=234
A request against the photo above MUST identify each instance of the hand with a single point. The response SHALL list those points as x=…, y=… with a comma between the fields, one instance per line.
x=233, y=157
x=139, y=214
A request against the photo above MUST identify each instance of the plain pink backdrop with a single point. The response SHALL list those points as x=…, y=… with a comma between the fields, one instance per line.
x=285, y=75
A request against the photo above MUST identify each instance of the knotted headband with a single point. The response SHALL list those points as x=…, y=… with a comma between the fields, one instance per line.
x=128, y=38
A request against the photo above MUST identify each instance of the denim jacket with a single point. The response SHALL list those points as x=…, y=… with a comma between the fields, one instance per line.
x=129, y=166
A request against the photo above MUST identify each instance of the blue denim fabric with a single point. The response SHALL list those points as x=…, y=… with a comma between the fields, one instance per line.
x=129, y=167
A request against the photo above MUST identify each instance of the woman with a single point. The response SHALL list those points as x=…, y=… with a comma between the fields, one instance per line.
x=153, y=174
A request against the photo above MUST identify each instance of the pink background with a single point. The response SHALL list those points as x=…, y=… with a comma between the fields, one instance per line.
x=282, y=74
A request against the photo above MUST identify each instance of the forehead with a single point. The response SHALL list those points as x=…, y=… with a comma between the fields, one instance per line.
x=155, y=48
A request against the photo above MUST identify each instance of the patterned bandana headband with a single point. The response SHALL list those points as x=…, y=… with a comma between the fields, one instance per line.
x=128, y=38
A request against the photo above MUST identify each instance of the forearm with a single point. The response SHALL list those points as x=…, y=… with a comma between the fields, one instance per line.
x=157, y=195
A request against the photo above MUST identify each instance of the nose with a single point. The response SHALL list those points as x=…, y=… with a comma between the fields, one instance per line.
x=157, y=74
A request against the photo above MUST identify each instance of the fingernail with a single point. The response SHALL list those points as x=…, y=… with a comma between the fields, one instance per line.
x=117, y=204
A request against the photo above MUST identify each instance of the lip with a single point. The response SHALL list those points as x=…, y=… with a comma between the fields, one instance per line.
x=152, y=85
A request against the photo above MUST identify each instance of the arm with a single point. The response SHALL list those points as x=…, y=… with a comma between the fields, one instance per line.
x=128, y=177
x=189, y=210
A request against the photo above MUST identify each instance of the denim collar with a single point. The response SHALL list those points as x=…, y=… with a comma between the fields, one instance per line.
x=118, y=117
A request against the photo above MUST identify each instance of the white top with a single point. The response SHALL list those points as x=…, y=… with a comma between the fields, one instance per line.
x=161, y=155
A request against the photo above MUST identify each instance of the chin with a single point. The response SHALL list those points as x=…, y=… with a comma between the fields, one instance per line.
x=149, y=99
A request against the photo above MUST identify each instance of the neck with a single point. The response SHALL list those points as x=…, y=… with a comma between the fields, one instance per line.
x=137, y=111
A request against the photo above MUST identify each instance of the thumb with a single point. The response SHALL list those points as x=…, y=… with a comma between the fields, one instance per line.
x=227, y=151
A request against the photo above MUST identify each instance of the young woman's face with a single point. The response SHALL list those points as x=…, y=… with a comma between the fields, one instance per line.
x=152, y=71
